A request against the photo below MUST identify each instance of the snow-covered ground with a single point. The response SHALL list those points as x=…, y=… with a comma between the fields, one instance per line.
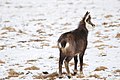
x=29, y=30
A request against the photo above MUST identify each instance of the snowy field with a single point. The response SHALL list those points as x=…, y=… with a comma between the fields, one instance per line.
x=29, y=30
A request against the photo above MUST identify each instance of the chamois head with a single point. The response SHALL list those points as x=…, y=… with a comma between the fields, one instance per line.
x=87, y=20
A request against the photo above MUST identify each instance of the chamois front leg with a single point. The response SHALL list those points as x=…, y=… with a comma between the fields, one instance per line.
x=81, y=64
x=75, y=67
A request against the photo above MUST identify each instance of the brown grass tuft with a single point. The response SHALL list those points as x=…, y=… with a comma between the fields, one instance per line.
x=12, y=73
x=95, y=75
x=117, y=71
x=108, y=16
x=100, y=68
x=10, y=29
x=118, y=35
x=2, y=62
x=32, y=68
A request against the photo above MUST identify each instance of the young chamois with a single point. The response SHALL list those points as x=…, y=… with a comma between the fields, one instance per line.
x=74, y=43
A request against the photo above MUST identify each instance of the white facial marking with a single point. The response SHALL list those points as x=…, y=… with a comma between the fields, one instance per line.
x=89, y=26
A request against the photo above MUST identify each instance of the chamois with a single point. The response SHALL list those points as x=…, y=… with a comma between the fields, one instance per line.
x=72, y=44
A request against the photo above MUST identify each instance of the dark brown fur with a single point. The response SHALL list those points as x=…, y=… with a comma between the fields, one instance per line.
x=77, y=40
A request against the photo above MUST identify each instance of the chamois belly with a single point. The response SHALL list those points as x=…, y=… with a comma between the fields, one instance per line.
x=80, y=46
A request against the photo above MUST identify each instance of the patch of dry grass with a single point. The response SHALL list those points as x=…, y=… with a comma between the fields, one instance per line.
x=10, y=29
x=108, y=16
x=117, y=71
x=101, y=68
x=32, y=68
x=2, y=62
x=13, y=73
x=95, y=76
x=118, y=35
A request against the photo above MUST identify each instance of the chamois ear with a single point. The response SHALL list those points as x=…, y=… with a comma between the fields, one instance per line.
x=85, y=16
x=88, y=20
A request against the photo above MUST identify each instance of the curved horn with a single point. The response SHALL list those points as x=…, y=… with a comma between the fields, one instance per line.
x=86, y=14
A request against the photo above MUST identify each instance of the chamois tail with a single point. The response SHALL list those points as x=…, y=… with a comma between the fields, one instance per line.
x=63, y=44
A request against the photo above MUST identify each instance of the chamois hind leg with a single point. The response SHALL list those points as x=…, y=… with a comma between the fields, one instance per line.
x=75, y=67
x=61, y=58
x=67, y=66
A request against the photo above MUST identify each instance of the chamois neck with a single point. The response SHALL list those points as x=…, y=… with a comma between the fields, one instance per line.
x=81, y=25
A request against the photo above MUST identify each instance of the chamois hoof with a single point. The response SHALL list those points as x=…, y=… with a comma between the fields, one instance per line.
x=69, y=76
x=75, y=72
x=60, y=76
x=81, y=75
x=81, y=72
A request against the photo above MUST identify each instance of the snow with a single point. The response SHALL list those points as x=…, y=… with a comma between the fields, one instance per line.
x=35, y=25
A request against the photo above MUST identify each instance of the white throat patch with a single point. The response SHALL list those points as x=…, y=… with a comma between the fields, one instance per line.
x=89, y=27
